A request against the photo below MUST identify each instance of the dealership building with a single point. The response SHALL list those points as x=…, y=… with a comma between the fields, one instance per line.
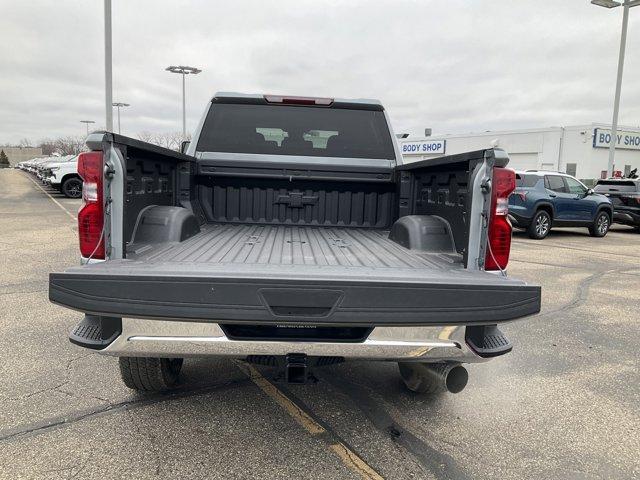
x=579, y=150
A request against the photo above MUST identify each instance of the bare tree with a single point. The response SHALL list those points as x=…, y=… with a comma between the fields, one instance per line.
x=71, y=145
x=25, y=142
x=171, y=140
x=146, y=136
x=48, y=146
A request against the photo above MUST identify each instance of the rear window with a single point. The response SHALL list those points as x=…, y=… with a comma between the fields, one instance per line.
x=616, y=186
x=526, y=180
x=296, y=130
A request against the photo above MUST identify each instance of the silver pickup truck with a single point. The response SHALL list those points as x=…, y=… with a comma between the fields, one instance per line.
x=291, y=234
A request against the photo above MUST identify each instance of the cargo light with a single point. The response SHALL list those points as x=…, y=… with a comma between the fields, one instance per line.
x=91, y=213
x=499, y=231
x=289, y=100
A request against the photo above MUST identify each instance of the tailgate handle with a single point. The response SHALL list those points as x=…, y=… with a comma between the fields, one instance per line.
x=300, y=302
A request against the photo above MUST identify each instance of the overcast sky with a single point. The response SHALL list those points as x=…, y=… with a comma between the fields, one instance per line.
x=456, y=65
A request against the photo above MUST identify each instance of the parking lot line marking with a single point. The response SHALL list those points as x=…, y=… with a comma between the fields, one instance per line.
x=354, y=462
x=313, y=427
x=73, y=217
x=348, y=457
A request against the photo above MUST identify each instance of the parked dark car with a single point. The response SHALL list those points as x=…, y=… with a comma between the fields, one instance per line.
x=625, y=197
x=543, y=200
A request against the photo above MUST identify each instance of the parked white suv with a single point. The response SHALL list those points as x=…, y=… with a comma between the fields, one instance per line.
x=64, y=176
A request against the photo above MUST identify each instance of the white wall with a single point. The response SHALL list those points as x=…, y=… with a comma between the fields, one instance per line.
x=578, y=148
x=542, y=148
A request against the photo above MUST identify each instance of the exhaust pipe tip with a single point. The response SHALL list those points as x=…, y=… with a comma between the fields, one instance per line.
x=456, y=379
x=434, y=377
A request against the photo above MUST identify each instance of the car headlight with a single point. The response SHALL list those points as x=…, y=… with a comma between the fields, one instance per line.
x=53, y=169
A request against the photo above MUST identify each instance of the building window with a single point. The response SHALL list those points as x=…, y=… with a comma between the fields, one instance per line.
x=603, y=174
x=571, y=169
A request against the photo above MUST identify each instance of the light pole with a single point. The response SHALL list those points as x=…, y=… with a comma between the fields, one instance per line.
x=184, y=71
x=626, y=5
x=87, y=122
x=107, y=65
x=118, y=105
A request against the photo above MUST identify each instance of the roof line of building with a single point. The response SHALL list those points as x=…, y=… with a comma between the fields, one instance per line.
x=520, y=130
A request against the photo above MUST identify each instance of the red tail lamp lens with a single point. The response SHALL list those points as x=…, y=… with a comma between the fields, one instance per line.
x=91, y=214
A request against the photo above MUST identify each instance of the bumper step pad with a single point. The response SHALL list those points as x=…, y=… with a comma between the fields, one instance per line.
x=487, y=341
x=96, y=332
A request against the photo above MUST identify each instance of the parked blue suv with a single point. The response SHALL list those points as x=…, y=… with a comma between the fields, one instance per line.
x=543, y=200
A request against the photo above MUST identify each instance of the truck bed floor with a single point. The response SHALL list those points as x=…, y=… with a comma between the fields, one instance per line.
x=349, y=249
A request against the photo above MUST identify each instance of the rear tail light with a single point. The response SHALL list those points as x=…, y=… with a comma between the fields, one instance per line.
x=91, y=214
x=298, y=100
x=499, y=232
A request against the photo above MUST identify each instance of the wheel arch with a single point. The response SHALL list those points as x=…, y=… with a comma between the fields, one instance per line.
x=67, y=176
x=546, y=206
x=605, y=208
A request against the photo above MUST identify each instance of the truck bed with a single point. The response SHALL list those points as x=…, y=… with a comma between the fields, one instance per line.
x=274, y=248
x=290, y=274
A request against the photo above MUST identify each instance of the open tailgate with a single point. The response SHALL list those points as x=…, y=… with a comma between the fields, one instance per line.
x=331, y=295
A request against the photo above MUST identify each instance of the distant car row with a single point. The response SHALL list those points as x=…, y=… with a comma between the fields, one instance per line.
x=543, y=200
x=60, y=173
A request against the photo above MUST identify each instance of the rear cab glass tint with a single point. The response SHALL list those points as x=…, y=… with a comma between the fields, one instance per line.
x=296, y=130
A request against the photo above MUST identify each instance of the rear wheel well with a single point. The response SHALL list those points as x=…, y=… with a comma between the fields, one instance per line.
x=68, y=176
x=607, y=210
x=546, y=208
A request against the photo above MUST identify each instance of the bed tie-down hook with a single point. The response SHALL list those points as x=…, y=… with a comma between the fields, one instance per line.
x=486, y=186
x=109, y=171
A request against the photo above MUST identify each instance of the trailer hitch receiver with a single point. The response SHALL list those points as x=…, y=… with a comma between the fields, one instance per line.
x=296, y=368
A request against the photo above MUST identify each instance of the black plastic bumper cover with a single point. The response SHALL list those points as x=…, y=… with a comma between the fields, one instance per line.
x=242, y=300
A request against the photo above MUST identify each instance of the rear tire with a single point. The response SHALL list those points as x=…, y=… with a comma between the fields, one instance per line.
x=150, y=374
x=540, y=225
x=72, y=187
x=601, y=225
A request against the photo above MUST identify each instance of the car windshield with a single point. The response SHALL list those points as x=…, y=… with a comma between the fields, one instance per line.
x=296, y=130
x=575, y=186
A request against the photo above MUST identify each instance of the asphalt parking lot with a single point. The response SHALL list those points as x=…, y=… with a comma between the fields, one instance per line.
x=563, y=404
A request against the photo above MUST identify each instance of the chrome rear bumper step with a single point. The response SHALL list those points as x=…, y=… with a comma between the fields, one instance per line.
x=152, y=338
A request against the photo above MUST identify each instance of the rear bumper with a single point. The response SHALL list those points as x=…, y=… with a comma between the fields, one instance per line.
x=519, y=220
x=151, y=338
x=627, y=217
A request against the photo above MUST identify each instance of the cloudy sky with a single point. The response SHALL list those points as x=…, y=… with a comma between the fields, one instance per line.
x=456, y=65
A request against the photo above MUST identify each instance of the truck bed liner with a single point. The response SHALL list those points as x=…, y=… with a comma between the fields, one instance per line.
x=258, y=274
x=277, y=245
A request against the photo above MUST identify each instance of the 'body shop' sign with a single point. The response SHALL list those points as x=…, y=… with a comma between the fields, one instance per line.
x=625, y=139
